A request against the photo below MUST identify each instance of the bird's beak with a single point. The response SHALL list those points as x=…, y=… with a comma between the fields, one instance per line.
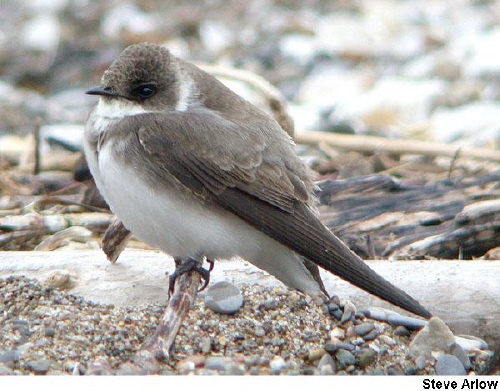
x=101, y=91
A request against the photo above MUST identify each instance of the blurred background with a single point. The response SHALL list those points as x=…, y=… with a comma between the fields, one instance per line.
x=398, y=68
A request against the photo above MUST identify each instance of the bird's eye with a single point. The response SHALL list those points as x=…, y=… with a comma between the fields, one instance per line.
x=145, y=91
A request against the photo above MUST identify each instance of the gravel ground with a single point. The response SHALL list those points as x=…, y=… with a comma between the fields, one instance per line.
x=277, y=331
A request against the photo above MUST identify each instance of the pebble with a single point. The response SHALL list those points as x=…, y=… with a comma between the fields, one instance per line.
x=40, y=367
x=216, y=363
x=337, y=314
x=224, y=297
x=234, y=369
x=364, y=328
x=387, y=340
x=392, y=317
x=269, y=305
x=5, y=371
x=337, y=332
x=276, y=365
x=449, y=365
x=447, y=124
x=333, y=305
x=371, y=335
x=9, y=356
x=401, y=331
x=61, y=279
x=49, y=332
x=435, y=336
x=326, y=365
x=407, y=321
x=395, y=371
x=345, y=358
x=470, y=343
x=41, y=32
x=379, y=108
x=259, y=332
x=349, y=309
x=358, y=341
x=326, y=370
x=367, y=357
x=346, y=346
x=350, y=368
x=421, y=362
x=316, y=354
x=460, y=353
x=185, y=367
x=376, y=313
x=206, y=345
x=197, y=359
x=331, y=347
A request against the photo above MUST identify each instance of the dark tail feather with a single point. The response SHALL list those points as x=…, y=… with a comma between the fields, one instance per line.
x=300, y=230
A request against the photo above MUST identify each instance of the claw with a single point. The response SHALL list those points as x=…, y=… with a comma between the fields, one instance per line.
x=205, y=276
x=188, y=265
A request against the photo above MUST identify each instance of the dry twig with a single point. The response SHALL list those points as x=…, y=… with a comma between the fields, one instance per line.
x=374, y=144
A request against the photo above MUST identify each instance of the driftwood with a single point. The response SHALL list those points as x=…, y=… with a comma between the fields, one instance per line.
x=373, y=144
x=49, y=224
x=457, y=219
x=464, y=294
x=185, y=289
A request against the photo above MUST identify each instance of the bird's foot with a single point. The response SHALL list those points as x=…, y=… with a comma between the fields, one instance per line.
x=191, y=264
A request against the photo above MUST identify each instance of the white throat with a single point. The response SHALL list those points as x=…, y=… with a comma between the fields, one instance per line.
x=117, y=108
x=188, y=93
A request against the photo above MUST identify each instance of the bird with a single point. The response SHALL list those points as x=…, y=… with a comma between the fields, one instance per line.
x=194, y=169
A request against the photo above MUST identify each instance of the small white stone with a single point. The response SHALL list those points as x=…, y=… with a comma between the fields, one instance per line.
x=42, y=32
x=484, y=57
x=61, y=279
x=470, y=343
x=215, y=36
x=127, y=17
x=476, y=123
x=224, y=297
x=277, y=364
x=337, y=333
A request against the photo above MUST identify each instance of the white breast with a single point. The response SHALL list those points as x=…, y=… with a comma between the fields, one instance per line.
x=167, y=219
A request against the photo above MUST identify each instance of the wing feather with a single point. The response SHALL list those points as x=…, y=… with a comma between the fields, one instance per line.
x=247, y=176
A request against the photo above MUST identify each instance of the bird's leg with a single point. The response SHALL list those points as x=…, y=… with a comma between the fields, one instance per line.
x=183, y=289
x=191, y=264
